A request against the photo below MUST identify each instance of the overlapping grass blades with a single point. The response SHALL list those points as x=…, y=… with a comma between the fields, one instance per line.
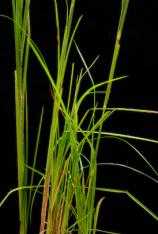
x=69, y=183
x=21, y=18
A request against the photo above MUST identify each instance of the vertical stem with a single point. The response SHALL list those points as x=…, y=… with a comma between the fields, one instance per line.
x=124, y=8
x=21, y=31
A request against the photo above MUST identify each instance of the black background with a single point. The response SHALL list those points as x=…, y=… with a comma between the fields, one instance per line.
x=138, y=59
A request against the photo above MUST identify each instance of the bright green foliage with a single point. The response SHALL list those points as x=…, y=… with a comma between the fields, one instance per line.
x=69, y=189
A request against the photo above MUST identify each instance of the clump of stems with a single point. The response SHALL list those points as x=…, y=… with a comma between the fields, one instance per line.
x=69, y=188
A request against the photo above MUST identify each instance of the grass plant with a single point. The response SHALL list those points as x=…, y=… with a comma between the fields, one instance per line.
x=68, y=203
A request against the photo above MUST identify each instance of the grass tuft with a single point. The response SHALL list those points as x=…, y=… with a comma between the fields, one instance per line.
x=68, y=180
